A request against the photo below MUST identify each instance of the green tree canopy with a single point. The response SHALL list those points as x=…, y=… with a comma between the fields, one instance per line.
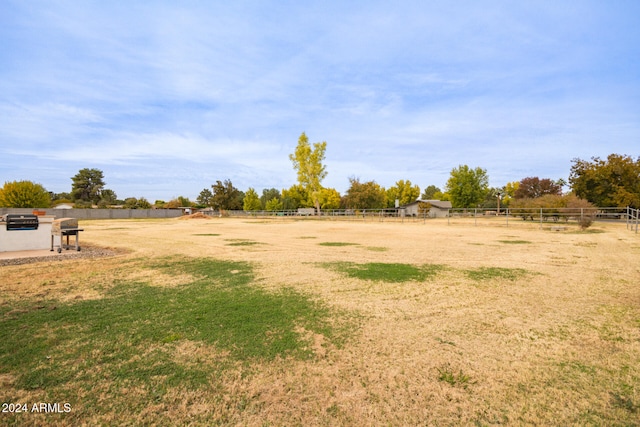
x=509, y=192
x=404, y=192
x=269, y=194
x=184, y=202
x=491, y=198
x=273, y=205
x=467, y=187
x=611, y=182
x=108, y=197
x=365, y=195
x=296, y=197
x=205, y=197
x=307, y=162
x=133, y=203
x=87, y=185
x=251, y=201
x=24, y=194
x=226, y=196
x=430, y=192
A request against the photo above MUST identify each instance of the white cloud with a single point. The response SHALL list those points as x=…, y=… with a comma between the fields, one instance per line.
x=223, y=90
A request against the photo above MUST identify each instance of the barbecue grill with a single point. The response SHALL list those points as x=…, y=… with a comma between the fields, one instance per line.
x=21, y=222
x=65, y=227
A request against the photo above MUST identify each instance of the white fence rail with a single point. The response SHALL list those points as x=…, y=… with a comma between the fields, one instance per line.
x=507, y=217
x=633, y=217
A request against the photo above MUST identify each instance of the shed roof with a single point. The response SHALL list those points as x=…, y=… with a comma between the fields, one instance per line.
x=440, y=204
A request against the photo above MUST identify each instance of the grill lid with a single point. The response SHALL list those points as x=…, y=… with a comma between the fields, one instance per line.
x=21, y=222
x=62, y=224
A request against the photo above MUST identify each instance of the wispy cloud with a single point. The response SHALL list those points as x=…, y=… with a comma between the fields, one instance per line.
x=169, y=97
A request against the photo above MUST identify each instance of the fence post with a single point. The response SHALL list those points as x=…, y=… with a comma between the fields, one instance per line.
x=540, y=218
x=475, y=216
x=507, y=217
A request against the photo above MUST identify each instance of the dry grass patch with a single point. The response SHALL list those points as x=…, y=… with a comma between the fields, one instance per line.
x=557, y=343
x=64, y=280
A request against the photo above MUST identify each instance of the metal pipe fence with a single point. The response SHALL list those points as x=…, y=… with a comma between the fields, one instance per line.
x=541, y=215
x=545, y=216
x=363, y=215
x=633, y=217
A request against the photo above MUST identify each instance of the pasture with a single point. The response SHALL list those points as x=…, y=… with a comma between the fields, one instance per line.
x=227, y=321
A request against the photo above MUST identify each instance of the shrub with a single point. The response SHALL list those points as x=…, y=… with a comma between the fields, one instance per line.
x=567, y=206
x=585, y=221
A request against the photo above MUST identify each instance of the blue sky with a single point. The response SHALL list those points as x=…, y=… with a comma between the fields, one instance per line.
x=167, y=97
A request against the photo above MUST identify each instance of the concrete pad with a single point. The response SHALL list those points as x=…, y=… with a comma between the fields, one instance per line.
x=35, y=253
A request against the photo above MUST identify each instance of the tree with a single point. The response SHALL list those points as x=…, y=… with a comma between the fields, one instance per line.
x=430, y=192
x=568, y=205
x=226, y=196
x=60, y=196
x=329, y=198
x=295, y=197
x=268, y=194
x=251, y=201
x=509, y=192
x=24, y=194
x=87, y=185
x=467, y=187
x=534, y=187
x=308, y=163
x=133, y=203
x=491, y=198
x=171, y=204
x=204, y=198
x=109, y=197
x=185, y=202
x=404, y=192
x=273, y=205
x=365, y=195
x=143, y=203
x=611, y=182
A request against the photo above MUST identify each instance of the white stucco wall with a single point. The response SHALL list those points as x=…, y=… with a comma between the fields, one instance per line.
x=27, y=240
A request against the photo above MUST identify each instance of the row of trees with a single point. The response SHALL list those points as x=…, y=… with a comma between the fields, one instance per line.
x=614, y=181
x=87, y=190
x=611, y=182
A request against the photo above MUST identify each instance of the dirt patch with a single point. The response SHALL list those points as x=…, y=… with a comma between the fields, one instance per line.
x=197, y=215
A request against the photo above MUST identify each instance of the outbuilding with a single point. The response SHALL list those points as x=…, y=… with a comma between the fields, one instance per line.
x=439, y=208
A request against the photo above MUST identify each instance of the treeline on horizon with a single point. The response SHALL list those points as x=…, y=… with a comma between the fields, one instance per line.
x=610, y=182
